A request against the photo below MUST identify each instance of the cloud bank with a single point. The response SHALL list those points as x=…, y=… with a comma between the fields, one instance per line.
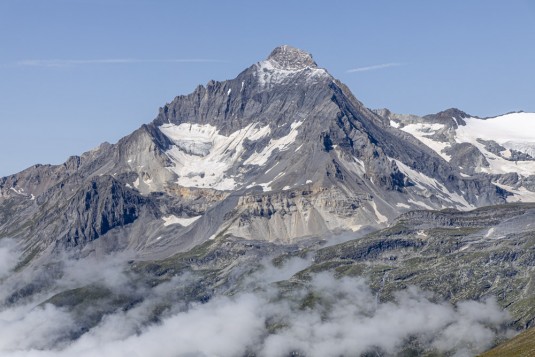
x=324, y=317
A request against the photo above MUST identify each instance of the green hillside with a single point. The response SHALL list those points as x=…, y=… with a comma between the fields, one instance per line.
x=522, y=345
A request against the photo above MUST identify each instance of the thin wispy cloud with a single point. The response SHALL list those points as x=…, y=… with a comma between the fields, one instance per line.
x=374, y=67
x=106, y=61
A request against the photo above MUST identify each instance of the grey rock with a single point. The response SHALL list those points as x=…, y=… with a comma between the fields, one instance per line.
x=498, y=150
x=345, y=174
x=353, y=170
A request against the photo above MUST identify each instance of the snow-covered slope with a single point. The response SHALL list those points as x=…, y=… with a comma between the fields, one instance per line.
x=515, y=132
x=202, y=157
x=508, y=129
x=502, y=147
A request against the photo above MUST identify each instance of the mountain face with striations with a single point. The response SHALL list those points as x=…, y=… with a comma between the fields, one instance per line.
x=282, y=152
x=279, y=164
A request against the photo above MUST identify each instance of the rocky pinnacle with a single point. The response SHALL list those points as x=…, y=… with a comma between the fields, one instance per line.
x=291, y=58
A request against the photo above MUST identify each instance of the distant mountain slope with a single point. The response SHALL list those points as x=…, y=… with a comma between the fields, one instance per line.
x=502, y=147
x=457, y=255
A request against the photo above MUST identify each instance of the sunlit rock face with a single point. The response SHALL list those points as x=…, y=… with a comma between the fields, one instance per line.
x=278, y=182
x=281, y=152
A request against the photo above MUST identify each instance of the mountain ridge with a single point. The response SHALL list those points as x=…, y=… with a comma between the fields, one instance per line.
x=281, y=183
x=230, y=145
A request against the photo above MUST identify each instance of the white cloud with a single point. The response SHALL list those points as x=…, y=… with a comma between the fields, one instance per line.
x=24, y=328
x=374, y=67
x=343, y=318
x=9, y=256
x=80, y=62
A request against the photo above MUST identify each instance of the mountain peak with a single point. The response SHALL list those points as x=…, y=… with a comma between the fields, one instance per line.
x=291, y=58
x=450, y=113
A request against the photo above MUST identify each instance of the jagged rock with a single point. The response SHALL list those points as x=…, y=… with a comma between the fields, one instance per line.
x=275, y=164
x=282, y=152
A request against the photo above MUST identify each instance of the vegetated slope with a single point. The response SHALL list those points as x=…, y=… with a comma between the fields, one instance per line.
x=475, y=255
x=522, y=345
x=487, y=252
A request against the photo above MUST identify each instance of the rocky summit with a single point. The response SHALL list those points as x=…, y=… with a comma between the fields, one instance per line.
x=282, y=152
x=283, y=162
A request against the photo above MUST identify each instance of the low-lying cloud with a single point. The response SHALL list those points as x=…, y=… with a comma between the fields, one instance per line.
x=324, y=317
x=8, y=256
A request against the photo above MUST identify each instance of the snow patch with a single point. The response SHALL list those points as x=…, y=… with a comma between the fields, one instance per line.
x=269, y=75
x=520, y=194
x=171, y=219
x=21, y=192
x=422, y=131
x=425, y=183
x=201, y=156
x=356, y=227
x=265, y=186
x=280, y=144
x=358, y=165
x=402, y=205
x=394, y=124
x=381, y=218
x=506, y=153
x=279, y=175
x=513, y=127
x=419, y=203
x=489, y=232
x=18, y=191
x=515, y=131
x=272, y=167
x=421, y=233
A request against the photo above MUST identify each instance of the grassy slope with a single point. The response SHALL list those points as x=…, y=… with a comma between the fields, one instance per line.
x=522, y=345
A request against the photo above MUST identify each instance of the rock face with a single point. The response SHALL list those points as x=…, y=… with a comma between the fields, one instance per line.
x=282, y=152
x=291, y=58
x=99, y=207
x=498, y=148
x=276, y=165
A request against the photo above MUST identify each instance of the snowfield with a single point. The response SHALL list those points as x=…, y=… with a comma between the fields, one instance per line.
x=201, y=156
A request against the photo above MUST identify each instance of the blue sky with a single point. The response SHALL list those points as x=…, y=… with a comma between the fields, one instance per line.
x=75, y=73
